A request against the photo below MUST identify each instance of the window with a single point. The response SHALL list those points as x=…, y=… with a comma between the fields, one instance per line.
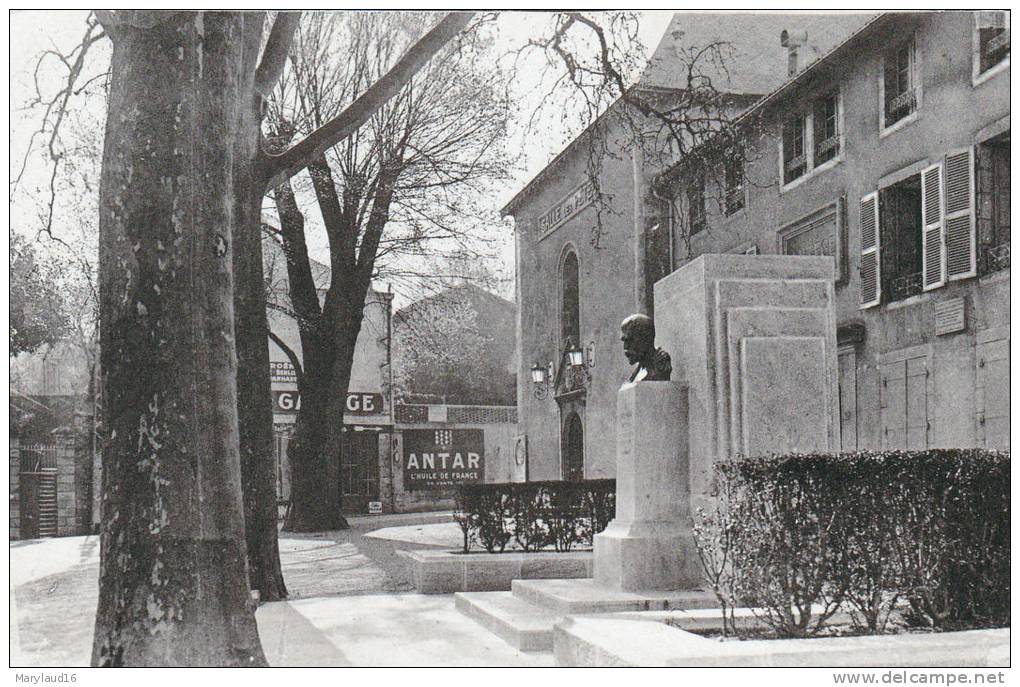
x=900, y=228
x=794, y=147
x=696, y=204
x=992, y=188
x=919, y=233
x=991, y=40
x=812, y=136
x=734, y=180
x=570, y=310
x=900, y=84
x=826, y=128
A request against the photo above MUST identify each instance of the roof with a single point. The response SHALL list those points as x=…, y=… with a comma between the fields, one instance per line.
x=754, y=62
x=468, y=291
x=817, y=69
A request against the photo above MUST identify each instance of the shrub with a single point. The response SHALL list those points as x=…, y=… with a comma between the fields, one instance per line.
x=534, y=514
x=799, y=535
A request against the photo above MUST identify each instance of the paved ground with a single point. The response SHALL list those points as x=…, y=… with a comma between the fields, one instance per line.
x=348, y=602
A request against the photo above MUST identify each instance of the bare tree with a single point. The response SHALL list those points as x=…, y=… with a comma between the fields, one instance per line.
x=183, y=176
x=396, y=187
x=597, y=61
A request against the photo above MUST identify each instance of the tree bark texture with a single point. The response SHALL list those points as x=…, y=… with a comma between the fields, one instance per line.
x=254, y=389
x=173, y=579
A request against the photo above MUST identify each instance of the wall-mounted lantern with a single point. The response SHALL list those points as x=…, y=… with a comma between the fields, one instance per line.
x=541, y=379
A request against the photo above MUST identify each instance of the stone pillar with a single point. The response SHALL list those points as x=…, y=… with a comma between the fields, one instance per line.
x=648, y=545
x=754, y=339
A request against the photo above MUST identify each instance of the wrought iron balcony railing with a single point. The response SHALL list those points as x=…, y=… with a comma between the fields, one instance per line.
x=903, y=102
x=906, y=286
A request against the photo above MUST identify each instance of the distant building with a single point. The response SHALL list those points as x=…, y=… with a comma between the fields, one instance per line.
x=53, y=457
x=392, y=457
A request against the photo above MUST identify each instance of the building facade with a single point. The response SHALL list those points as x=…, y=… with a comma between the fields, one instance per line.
x=889, y=152
x=573, y=290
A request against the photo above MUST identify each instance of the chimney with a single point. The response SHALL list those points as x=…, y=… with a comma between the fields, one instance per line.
x=792, y=40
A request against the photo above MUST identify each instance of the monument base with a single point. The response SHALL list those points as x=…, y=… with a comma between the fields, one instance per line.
x=648, y=545
x=646, y=555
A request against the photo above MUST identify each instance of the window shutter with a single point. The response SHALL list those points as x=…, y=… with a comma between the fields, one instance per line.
x=871, y=285
x=961, y=249
x=933, y=255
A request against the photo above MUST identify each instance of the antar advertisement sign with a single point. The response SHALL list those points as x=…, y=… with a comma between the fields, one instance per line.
x=442, y=458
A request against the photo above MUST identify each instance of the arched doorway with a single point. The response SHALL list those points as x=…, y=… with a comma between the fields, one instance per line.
x=573, y=448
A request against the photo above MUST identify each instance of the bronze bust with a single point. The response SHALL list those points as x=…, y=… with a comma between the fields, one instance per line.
x=638, y=336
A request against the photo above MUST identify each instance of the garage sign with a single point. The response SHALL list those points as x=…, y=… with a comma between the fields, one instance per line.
x=357, y=403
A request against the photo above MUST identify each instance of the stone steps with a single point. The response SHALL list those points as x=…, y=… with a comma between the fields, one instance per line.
x=526, y=617
x=519, y=623
x=582, y=597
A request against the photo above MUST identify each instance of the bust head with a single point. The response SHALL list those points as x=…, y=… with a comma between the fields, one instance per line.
x=638, y=335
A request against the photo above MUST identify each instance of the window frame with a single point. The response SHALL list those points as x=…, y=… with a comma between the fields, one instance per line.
x=978, y=77
x=806, y=111
x=568, y=250
x=697, y=183
x=739, y=190
x=916, y=72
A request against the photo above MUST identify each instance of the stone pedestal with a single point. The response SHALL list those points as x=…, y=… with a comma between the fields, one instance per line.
x=754, y=339
x=648, y=545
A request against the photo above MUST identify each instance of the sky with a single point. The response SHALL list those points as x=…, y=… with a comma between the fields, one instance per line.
x=34, y=31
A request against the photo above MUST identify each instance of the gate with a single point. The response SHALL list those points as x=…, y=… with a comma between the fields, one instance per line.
x=38, y=499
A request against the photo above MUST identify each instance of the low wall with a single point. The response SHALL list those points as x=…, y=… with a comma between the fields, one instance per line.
x=443, y=572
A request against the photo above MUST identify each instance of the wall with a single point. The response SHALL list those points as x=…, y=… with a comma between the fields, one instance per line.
x=607, y=296
x=500, y=439
x=954, y=112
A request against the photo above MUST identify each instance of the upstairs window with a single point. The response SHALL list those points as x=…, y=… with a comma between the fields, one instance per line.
x=696, y=204
x=570, y=305
x=812, y=136
x=991, y=40
x=734, y=180
x=794, y=148
x=900, y=83
x=826, y=128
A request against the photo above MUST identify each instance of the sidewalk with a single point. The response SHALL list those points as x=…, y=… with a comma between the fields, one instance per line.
x=347, y=605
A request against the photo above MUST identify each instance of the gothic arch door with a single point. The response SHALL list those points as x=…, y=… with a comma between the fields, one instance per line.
x=573, y=448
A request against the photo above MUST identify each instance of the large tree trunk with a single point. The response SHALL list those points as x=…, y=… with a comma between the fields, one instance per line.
x=316, y=501
x=173, y=580
x=254, y=394
x=314, y=460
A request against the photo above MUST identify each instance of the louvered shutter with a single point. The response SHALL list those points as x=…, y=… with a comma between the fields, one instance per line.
x=961, y=249
x=933, y=259
x=871, y=284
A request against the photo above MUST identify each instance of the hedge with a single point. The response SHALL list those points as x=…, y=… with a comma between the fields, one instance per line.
x=921, y=533
x=534, y=514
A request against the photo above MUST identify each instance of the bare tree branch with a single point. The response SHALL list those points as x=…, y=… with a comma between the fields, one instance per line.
x=274, y=57
x=298, y=157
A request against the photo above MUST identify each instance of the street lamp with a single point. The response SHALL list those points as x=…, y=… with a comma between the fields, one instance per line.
x=541, y=379
x=575, y=354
